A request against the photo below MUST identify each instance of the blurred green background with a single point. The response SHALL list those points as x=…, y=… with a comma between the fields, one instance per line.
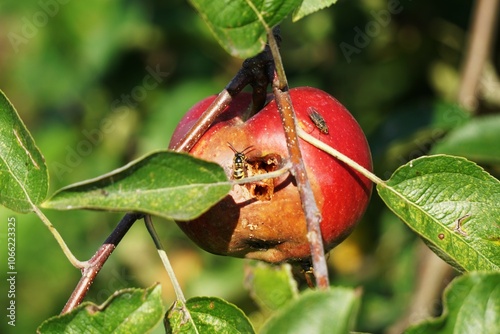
x=81, y=77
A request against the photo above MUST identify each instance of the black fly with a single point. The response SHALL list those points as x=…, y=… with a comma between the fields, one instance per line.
x=318, y=120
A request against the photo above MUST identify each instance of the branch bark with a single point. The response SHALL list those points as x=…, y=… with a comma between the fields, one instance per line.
x=298, y=170
x=95, y=264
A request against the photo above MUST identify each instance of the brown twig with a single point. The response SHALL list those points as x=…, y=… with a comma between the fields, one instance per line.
x=484, y=19
x=257, y=72
x=204, y=122
x=311, y=211
x=97, y=261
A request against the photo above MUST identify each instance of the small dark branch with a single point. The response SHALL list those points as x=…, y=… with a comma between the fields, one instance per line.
x=240, y=80
x=97, y=261
x=481, y=35
x=311, y=211
x=257, y=72
x=260, y=69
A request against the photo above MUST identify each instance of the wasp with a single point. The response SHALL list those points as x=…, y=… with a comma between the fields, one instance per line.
x=240, y=162
x=318, y=120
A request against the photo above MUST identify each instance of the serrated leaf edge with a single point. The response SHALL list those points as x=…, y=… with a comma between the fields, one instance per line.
x=102, y=307
x=443, y=227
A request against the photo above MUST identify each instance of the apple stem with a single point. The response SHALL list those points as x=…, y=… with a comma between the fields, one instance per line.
x=340, y=156
x=311, y=211
x=164, y=258
x=94, y=265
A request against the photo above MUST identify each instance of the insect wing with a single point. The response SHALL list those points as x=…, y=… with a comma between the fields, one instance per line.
x=318, y=120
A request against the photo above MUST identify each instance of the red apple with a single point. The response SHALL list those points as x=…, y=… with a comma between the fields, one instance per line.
x=264, y=220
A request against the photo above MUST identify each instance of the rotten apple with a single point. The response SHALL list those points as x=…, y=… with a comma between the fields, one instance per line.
x=264, y=219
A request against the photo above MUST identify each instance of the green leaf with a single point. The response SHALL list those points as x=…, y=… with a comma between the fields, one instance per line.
x=164, y=183
x=328, y=312
x=206, y=315
x=24, y=179
x=471, y=305
x=448, y=116
x=310, y=6
x=271, y=286
x=178, y=320
x=240, y=25
x=453, y=204
x=477, y=140
x=127, y=311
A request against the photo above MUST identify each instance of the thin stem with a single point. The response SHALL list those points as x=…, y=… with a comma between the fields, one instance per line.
x=94, y=265
x=69, y=255
x=74, y=261
x=164, y=258
x=340, y=156
x=268, y=175
x=311, y=210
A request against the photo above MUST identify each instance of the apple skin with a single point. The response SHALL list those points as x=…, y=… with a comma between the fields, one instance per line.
x=265, y=221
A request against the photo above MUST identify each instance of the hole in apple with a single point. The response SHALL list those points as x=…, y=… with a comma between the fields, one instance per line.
x=263, y=190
